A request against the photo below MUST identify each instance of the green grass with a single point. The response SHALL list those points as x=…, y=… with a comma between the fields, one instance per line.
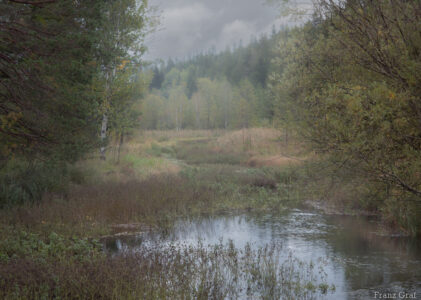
x=140, y=163
x=200, y=152
x=158, y=150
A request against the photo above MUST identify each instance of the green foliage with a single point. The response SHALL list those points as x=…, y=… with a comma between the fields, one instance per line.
x=55, y=84
x=123, y=107
x=24, y=181
x=349, y=82
x=119, y=82
x=18, y=244
x=47, y=66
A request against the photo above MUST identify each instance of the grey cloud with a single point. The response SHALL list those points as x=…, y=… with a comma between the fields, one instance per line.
x=189, y=26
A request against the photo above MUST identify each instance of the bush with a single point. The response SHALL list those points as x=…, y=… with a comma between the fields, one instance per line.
x=23, y=181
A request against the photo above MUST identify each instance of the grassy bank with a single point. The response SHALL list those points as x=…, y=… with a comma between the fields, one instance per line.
x=158, y=178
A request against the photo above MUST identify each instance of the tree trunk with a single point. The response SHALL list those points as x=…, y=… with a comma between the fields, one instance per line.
x=103, y=135
x=104, y=126
x=119, y=146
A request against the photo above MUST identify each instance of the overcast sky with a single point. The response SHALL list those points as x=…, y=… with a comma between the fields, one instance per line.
x=190, y=26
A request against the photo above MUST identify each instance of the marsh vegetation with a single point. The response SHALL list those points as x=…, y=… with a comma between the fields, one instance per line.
x=159, y=180
x=287, y=167
x=145, y=227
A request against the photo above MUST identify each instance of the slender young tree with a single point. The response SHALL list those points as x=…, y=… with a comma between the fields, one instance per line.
x=123, y=29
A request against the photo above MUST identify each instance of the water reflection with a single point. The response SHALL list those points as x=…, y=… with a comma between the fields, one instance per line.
x=359, y=259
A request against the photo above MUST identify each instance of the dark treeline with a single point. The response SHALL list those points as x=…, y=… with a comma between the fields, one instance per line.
x=214, y=90
x=236, y=63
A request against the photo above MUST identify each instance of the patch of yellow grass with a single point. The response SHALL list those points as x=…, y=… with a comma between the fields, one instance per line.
x=161, y=135
x=141, y=157
x=259, y=140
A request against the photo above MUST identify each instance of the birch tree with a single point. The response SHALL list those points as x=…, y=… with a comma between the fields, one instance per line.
x=125, y=24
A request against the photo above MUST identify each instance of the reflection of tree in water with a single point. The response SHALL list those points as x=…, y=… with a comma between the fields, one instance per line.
x=370, y=259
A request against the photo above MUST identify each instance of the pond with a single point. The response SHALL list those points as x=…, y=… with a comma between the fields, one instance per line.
x=360, y=259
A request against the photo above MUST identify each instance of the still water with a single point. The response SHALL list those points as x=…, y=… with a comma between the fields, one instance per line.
x=360, y=259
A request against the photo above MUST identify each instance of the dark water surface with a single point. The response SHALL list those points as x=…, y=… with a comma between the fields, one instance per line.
x=360, y=259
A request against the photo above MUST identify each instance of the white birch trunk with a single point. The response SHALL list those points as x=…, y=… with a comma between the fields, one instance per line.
x=104, y=123
x=103, y=135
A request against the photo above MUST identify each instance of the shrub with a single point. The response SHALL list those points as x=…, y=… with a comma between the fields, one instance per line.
x=23, y=181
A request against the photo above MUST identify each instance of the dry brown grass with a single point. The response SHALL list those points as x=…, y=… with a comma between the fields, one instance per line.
x=92, y=209
x=263, y=146
x=219, y=272
x=181, y=134
x=260, y=141
x=146, y=187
